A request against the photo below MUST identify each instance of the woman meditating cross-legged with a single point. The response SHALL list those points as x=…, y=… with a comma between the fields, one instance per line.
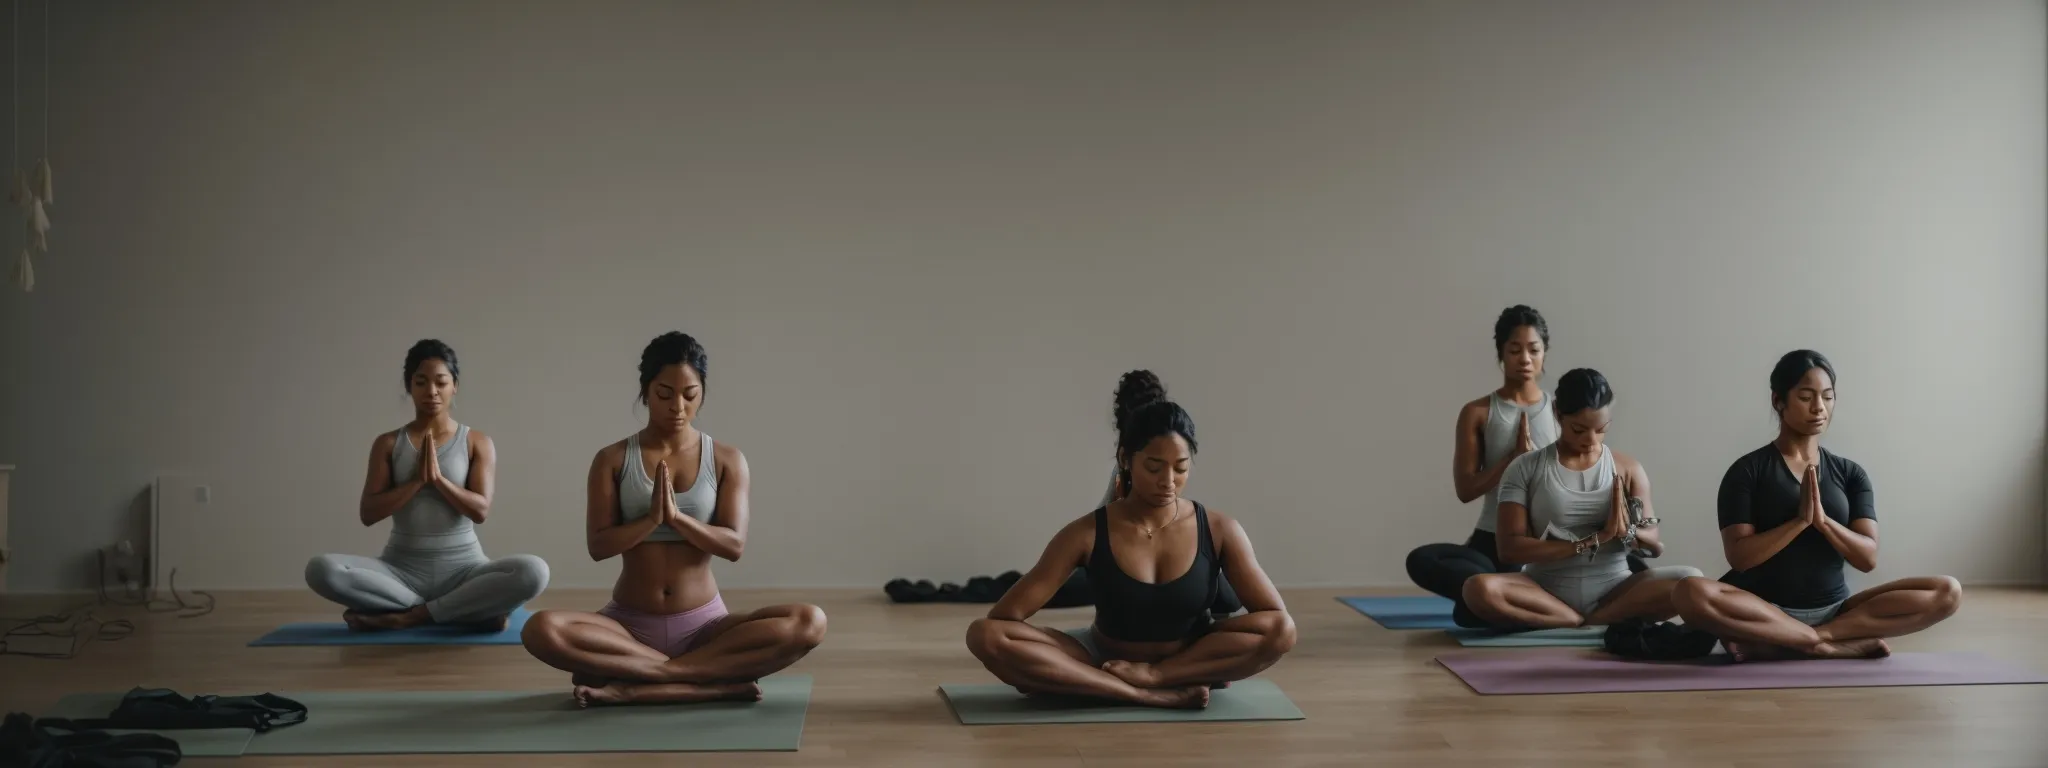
x=1155, y=561
x=1572, y=512
x=1135, y=390
x=434, y=479
x=1514, y=419
x=1792, y=513
x=666, y=636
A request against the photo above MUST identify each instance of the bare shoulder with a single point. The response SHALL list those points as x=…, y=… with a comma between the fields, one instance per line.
x=386, y=442
x=478, y=441
x=610, y=457
x=728, y=457
x=1222, y=526
x=1627, y=465
x=1079, y=532
x=1474, y=412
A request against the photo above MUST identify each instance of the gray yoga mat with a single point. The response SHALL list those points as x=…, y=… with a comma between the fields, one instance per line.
x=1585, y=637
x=998, y=704
x=212, y=742
x=491, y=722
x=1571, y=670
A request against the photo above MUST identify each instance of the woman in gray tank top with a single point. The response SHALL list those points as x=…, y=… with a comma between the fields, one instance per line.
x=434, y=478
x=667, y=501
x=1492, y=431
x=1570, y=513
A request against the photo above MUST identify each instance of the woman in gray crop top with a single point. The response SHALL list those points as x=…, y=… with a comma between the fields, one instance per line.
x=668, y=499
x=1570, y=513
x=434, y=478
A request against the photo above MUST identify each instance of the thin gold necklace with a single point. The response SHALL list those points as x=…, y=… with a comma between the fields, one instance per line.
x=1150, y=531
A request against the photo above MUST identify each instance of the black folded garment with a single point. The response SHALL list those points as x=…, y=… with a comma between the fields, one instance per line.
x=49, y=743
x=158, y=709
x=1656, y=641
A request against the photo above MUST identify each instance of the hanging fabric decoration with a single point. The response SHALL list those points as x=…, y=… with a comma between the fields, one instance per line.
x=33, y=191
x=38, y=225
x=43, y=185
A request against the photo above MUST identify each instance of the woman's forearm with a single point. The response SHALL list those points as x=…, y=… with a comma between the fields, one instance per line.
x=1752, y=550
x=1523, y=550
x=717, y=540
x=1859, y=550
x=610, y=542
x=1480, y=483
x=378, y=506
x=466, y=502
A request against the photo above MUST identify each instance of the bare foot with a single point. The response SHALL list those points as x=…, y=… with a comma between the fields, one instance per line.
x=614, y=692
x=364, y=621
x=619, y=692
x=1866, y=648
x=1192, y=697
x=494, y=625
x=1137, y=673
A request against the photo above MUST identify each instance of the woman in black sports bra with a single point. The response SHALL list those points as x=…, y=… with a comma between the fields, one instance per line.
x=1155, y=561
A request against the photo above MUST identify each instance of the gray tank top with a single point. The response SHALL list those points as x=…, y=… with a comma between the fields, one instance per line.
x=1498, y=438
x=636, y=489
x=428, y=521
x=1575, y=502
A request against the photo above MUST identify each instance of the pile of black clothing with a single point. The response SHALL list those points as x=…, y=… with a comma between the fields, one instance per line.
x=55, y=742
x=986, y=589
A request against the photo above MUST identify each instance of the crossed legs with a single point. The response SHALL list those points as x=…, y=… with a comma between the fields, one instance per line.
x=1755, y=630
x=428, y=588
x=1515, y=599
x=608, y=666
x=1040, y=661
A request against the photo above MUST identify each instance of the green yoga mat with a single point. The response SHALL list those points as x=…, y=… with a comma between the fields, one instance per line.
x=1584, y=637
x=213, y=742
x=998, y=704
x=490, y=722
x=495, y=722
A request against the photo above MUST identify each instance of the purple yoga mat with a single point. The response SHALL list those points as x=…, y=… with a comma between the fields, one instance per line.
x=1576, y=670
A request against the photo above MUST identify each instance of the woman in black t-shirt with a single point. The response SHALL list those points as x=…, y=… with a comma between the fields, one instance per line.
x=1792, y=513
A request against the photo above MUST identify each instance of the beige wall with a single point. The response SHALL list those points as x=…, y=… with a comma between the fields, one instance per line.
x=922, y=239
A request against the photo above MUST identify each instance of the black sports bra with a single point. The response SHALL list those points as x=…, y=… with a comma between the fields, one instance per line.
x=1134, y=611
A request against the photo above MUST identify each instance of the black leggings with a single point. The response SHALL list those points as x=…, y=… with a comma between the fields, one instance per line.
x=1443, y=569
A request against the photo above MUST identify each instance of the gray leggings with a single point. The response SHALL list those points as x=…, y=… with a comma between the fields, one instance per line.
x=458, y=586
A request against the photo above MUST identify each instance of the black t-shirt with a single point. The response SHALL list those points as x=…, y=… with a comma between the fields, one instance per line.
x=1761, y=491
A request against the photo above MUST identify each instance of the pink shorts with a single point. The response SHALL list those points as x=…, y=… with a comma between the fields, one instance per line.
x=674, y=634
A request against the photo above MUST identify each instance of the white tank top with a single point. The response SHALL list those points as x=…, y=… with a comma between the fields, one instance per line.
x=1498, y=437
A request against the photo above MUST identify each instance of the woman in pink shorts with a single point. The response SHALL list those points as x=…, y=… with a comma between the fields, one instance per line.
x=666, y=636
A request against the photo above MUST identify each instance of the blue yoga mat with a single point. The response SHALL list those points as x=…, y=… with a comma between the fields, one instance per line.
x=1406, y=612
x=337, y=633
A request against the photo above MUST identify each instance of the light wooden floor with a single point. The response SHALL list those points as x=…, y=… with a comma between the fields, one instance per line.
x=1372, y=696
